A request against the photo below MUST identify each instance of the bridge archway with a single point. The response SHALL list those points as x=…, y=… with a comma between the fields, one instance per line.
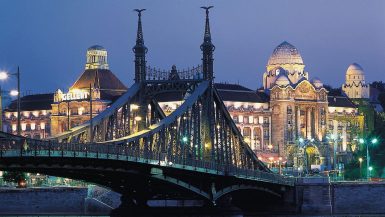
x=249, y=197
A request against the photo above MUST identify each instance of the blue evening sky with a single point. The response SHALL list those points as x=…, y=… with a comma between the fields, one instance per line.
x=48, y=39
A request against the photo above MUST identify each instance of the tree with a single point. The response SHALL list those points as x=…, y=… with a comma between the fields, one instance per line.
x=333, y=91
x=14, y=176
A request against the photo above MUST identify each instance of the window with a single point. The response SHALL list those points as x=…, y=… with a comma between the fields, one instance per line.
x=246, y=119
x=250, y=119
x=240, y=119
x=255, y=120
x=33, y=126
x=247, y=132
x=265, y=120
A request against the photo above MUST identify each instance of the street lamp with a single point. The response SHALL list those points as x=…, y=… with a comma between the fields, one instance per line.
x=373, y=141
x=5, y=75
x=370, y=172
x=360, y=160
x=279, y=163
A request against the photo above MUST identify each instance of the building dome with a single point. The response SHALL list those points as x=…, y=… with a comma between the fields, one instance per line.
x=96, y=47
x=355, y=69
x=285, y=53
x=317, y=82
x=282, y=80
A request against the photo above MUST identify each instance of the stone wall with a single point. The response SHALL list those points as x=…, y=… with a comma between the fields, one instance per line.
x=54, y=200
x=359, y=198
x=341, y=198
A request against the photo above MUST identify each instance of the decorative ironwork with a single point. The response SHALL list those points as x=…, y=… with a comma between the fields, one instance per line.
x=153, y=74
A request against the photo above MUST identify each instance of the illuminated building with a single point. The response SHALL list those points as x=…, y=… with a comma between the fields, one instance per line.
x=35, y=116
x=44, y=115
x=96, y=85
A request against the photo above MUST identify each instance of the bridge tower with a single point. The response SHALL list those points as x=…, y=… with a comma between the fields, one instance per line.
x=140, y=51
x=208, y=48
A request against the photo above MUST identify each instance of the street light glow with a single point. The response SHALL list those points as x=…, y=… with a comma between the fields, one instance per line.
x=14, y=93
x=3, y=75
x=370, y=168
x=361, y=141
x=374, y=141
x=184, y=139
x=301, y=140
x=360, y=159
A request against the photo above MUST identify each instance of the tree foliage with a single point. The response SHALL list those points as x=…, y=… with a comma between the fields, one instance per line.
x=13, y=176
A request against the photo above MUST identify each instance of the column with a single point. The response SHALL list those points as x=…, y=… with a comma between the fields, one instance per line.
x=308, y=123
x=298, y=121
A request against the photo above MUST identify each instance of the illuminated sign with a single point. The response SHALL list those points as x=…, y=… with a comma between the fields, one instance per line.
x=75, y=95
x=72, y=95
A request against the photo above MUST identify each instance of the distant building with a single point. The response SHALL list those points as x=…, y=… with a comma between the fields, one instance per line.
x=44, y=115
x=35, y=116
x=355, y=86
x=97, y=82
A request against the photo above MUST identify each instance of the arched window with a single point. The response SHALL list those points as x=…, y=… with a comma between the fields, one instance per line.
x=247, y=132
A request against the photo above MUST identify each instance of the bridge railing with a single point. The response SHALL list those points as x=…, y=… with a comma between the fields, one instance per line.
x=39, y=148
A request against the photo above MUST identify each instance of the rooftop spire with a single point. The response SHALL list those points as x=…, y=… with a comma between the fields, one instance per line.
x=207, y=48
x=140, y=51
x=139, y=35
x=207, y=36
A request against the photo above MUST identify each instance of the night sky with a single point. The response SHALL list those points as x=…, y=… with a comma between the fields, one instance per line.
x=48, y=39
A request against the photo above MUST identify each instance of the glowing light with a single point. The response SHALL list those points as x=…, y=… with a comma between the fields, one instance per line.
x=184, y=139
x=300, y=140
x=1, y=173
x=134, y=107
x=270, y=146
x=33, y=126
x=370, y=168
x=138, y=118
x=218, y=126
x=80, y=110
x=271, y=158
x=374, y=141
x=361, y=141
x=360, y=159
x=14, y=93
x=207, y=145
x=280, y=158
x=3, y=75
x=42, y=126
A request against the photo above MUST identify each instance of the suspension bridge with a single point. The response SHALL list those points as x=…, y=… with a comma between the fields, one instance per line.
x=135, y=149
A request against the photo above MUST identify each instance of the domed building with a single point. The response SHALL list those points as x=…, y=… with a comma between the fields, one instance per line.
x=303, y=116
x=97, y=84
x=284, y=59
x=355, y=86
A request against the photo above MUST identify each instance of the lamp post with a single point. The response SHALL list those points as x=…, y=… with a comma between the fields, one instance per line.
x=279, y=164
x=370, y=172
x=3, y=76
x=360, y=160
x=373, y=141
